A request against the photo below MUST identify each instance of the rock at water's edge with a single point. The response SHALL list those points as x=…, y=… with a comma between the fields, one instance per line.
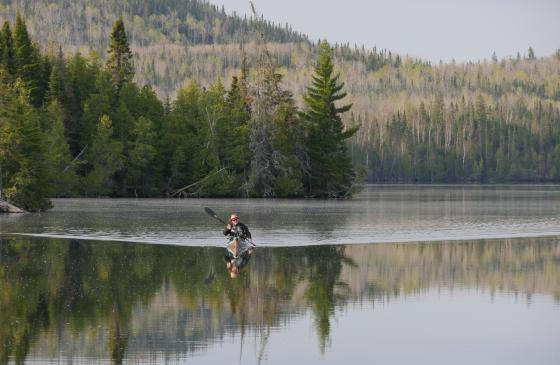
x=6, y=207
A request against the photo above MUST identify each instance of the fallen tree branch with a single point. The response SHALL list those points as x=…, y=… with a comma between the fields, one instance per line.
x=75, y=158
x=196, y=183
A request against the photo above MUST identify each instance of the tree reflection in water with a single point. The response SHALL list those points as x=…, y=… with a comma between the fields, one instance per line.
x=116, y=296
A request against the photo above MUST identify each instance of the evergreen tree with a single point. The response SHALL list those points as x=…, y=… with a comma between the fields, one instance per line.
x=63, y=176
x=141, y=155
x=239, y=154
x=89, y=98
x=179, y=142
x=7, y=52
x=106, y=158
x=531, y=54
x=31, y=68
x=287, y=144
x=120, y=62
x=54, y=85
x=329, y=171
x=23, y=151
x=24, y=50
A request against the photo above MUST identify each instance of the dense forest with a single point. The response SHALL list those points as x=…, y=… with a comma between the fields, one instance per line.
x=489, y=121
x=79, y=126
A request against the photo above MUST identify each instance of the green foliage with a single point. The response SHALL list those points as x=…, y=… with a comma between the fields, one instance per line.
x=63, y=178
x=106, y=158
x=275, y=136
x=119, y=62
x=7, y=51
x=31, y=67
x=24, y=160
x=330, y=169
x=493, y=122
x=141, y=156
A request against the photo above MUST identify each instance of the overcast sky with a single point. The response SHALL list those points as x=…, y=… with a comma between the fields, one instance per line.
x=431, y=29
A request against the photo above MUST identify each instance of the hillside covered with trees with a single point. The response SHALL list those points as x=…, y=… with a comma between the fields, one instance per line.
x=490, y=121
x=79, y=126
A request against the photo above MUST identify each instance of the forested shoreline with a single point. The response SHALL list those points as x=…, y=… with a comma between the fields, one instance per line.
x=77, y=126
x=491, y=121
x=465, y=142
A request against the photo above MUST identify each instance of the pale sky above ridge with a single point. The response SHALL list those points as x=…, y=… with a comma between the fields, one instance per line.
x=464, y=30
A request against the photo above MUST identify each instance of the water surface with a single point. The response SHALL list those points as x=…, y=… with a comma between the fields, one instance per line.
x=462, y=302
x=382, y=213
x=396, y=275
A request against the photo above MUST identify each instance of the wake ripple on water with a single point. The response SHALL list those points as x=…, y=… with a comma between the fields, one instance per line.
x=293, y=240
x=380, y=214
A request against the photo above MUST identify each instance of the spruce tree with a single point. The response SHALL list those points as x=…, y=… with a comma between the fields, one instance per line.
x=531, y=54
x=141, y=155
x=63, y=177
x=329, y=171
x=55, y=87
x=120, y=63
x=23, y=151
x=238, y=115
x=24, y=51
x=7, y=53
x=53, y=93
x=106, y=158
x=30, y=67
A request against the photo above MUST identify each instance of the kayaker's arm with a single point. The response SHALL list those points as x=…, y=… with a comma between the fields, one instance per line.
x=227, y=230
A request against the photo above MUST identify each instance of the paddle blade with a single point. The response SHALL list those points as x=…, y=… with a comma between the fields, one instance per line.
x=210, y=212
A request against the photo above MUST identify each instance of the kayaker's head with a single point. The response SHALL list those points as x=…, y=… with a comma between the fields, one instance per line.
x=234, y=219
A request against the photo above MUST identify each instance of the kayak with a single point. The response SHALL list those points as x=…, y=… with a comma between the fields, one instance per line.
x=237, y=246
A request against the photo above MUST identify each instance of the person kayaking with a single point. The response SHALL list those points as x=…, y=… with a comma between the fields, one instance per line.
x=240, y=245
x=236, y=229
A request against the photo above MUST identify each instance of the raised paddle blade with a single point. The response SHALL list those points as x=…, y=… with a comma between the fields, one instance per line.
x=212, y=214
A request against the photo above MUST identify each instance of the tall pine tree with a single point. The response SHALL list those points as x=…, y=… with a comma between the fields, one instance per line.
x=31, y=68
x=120, y=63
x=328, y=171
x=7, y=53
x=24, y=159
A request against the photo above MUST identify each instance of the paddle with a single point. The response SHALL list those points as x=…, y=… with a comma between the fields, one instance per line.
x=212, y=214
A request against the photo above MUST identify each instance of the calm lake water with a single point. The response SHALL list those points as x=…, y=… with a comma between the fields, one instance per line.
x=379, y=214
x=314, y=292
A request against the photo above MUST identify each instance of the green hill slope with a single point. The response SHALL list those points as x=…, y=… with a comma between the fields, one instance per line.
x=495, y=120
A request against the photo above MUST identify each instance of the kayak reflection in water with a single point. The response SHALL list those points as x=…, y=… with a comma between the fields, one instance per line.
x=240, y=245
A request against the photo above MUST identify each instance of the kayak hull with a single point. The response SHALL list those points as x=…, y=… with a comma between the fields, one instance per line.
x=237, y=246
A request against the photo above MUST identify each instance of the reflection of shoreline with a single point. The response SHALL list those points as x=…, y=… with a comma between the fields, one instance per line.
x=110, y=295
x=519, y=266
x=167, y=329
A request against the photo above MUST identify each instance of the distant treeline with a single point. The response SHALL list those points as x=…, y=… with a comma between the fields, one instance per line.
x=79, y=127
x=464, y=142
x=189, y=22
x=490, y=121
